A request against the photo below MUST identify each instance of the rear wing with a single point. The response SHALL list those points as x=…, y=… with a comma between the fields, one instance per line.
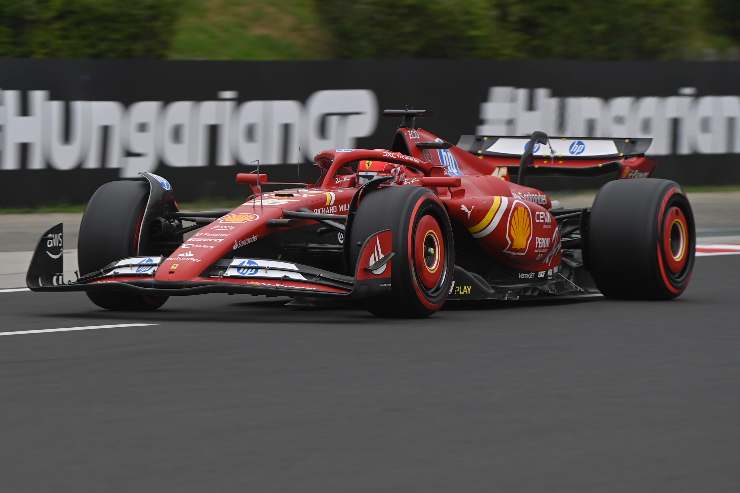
x=563, y=148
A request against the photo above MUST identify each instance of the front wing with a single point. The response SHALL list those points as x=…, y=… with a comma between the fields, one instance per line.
x=269, y=277
x=236, y=275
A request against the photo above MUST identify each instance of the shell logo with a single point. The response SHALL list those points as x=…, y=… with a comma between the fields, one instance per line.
x=330, y=198
x=519, y=229
x=239, y=218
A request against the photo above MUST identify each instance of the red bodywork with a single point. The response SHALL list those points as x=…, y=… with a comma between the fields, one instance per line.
x=510, y=222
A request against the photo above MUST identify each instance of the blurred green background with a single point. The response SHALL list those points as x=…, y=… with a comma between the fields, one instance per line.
x=364, y=29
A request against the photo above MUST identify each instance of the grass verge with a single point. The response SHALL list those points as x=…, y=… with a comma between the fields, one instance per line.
x=249, y=30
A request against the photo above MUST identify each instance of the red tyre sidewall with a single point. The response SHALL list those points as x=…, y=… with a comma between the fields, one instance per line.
x=675, y=220
x=428, y=232
x=675, y=273
x=421, y=209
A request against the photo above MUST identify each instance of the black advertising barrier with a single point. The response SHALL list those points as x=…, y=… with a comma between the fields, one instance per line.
x=67, y=126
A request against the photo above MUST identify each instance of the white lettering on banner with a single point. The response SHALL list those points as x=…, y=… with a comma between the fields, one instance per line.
x=106, y=116
x=106, y=134
x=65, y=135
x=341, y=123
x=704, y=125
x=66, y=155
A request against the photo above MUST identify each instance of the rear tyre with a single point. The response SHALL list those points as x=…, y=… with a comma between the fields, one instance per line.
x=422, y=269
x=110, y=231
x=641, y=240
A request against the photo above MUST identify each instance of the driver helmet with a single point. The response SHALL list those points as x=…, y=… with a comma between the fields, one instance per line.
x=368, y=170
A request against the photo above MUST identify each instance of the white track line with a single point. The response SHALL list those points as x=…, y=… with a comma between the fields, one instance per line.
x=72, y=329
x=715, y=254
x=14, y=290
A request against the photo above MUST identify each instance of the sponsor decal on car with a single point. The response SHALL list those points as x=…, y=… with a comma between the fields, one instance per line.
x=222, y=227
x=187, y=257
x=136, y=266
x=543, y=217
x=462, y=290
x=162, y=182
x=189, y=245
x=213, y=235
x=330, y=198
x=519, y=229
x=535, y=148
x=375, y=257
x=541, y=243
x=448, y=161
x=239, y=218
x=556, y=246
x=464, y=208
x=273, y=269
x=247, y=268
x=211, y=240
x=537, y=198
x=633, y=173
x=576, y=147
x=332, y=209
x=145, y=265
x=492, y=218
x=56, y=279
x=401, y=157
x=269, y=201
x=54, y=241
x=246, y=241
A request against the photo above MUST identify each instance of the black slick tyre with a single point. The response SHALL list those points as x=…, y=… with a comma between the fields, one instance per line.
x=641, y=239
x=424, y=259
x=110, y=231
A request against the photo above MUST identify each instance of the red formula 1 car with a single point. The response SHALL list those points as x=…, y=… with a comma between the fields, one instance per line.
x=403, y=230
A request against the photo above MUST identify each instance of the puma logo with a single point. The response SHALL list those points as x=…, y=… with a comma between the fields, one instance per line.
x=467, y=211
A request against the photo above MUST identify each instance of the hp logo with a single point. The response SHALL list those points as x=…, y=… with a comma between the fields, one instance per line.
x=535, y=148
x=248, y=268
x=145, y=266
x=577, y=147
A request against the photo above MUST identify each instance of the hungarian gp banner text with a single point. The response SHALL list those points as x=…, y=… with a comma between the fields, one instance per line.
x=68, y=126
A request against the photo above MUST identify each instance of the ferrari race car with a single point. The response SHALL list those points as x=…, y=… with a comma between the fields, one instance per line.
x=402, y=230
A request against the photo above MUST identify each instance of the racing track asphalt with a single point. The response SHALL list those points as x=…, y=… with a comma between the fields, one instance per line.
x=237, y=394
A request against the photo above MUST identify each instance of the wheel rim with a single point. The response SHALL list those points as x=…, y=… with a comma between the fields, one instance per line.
x=429, y=253
x=675, y=240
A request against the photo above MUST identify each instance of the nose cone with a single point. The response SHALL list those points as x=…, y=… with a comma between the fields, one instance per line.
x=214, y=242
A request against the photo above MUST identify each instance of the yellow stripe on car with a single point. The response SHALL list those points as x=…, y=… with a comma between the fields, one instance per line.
x=488, y=217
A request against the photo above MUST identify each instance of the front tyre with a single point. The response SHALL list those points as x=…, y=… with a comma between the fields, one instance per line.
x=641, y=239
x=422, y=269
x=110, y=231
